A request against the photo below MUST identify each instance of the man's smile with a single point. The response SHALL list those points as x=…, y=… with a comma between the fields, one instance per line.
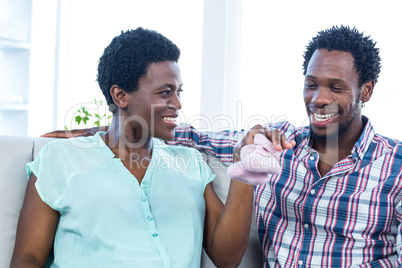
x=323, y=117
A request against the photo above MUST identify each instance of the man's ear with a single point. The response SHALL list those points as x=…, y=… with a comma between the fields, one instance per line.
x=119, y=96
x=367, y=91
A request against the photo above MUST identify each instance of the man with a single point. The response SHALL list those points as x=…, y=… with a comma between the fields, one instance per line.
x=337, y=200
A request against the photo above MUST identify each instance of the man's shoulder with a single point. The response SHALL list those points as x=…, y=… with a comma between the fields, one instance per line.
x=388, y=143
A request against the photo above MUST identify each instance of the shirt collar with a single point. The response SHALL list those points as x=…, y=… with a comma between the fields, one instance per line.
x=362, y=144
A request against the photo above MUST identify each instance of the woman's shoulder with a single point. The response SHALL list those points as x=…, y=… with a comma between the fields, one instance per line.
x=162, y=147
x=70, y=147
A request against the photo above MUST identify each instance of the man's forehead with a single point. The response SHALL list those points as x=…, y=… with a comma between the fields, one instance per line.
x=335, y=61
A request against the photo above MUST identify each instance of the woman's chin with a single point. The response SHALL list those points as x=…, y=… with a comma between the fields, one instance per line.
x=166, y=136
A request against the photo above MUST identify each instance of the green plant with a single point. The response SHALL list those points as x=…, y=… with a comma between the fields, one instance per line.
x=83, y=116
x=98, y=116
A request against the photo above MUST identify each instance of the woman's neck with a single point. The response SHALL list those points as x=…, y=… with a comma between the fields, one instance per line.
x=125, y=141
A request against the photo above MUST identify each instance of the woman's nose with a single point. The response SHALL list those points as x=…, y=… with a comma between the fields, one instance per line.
x=175, y=103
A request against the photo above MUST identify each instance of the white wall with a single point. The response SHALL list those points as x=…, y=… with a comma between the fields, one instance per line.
x=275, y=34
x=90, y=25
x=245, y=55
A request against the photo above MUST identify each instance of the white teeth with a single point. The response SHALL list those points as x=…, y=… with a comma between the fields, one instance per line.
x=170, y=119
x=323, y=117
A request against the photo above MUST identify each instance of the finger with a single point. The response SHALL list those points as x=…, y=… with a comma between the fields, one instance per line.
x=257, y=129
x=287, y=144
x=276, y=140
x=268, y=133
x=247, y=139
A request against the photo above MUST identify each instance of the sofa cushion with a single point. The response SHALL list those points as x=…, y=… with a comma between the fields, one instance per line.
x=38, y=143
x=14, y=154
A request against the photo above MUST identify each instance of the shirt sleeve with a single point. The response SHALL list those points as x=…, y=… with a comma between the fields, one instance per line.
x=399, y=234
x=219, y=144
x=205, y=172
x=50, y=183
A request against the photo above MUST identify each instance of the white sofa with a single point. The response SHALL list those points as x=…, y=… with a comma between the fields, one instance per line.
x=15, y=152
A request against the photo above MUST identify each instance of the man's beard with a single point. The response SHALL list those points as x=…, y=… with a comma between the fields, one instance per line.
x=342, y=128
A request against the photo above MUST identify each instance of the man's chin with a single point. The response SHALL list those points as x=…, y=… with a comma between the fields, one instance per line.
x=323, y=134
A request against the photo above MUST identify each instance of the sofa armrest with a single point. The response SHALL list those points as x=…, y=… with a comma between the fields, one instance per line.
x=14, y=154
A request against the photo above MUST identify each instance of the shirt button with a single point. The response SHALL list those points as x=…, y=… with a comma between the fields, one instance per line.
x=154, y=234
x=144, y=182
x=150, y=218
x=312, y=158
x=306, y=226
x=300, y=263
x=312, y=192
x=143, y=199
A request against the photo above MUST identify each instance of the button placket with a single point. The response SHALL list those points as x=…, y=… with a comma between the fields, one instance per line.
x=151, y=224
x=142, y=200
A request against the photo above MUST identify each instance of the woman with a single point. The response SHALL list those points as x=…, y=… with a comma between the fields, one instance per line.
x=123, y=198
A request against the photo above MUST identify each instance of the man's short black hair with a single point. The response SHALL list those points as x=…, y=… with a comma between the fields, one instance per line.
x=367, y=61
x=127, y=58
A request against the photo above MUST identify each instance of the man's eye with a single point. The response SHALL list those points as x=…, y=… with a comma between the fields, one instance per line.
x=337, y=88
x=309, y=85
x=179, y=92
x=165, y=92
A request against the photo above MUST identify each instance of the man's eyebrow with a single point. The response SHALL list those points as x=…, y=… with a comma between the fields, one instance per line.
x=331, y=79
x=337, y=80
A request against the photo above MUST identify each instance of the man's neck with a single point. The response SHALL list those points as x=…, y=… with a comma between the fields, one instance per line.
x=333, y=149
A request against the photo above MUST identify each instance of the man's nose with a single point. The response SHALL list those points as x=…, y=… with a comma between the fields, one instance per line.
x=322, y=96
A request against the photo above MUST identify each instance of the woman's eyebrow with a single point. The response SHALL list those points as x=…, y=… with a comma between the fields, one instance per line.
x=169, y=85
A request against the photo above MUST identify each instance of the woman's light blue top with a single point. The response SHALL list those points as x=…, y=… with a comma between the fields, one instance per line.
x=108, y=219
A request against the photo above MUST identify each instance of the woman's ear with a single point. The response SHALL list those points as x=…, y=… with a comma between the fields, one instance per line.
x=119, y=96
x=367, y=91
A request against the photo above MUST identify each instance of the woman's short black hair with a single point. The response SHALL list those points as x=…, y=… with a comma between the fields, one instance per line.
x=127, y=58
x=367, y=61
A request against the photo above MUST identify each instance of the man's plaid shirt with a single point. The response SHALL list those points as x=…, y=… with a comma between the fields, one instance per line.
x=349, y=217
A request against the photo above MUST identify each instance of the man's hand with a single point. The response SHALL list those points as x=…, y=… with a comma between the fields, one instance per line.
x=278, y=140
x=75, y=132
